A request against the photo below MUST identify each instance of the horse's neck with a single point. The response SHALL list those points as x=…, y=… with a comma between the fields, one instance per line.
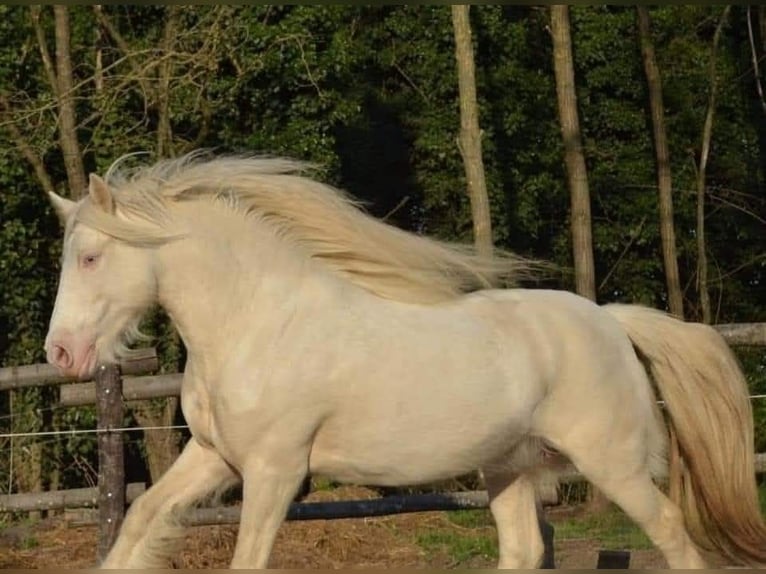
x=228, y=277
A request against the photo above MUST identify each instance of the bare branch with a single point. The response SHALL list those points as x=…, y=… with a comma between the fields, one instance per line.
x=122, y=45
x=207, y=116
x=742, y=209
x=42, y=44
x=754, y=52
x=635, y=234
x=25, y=149
x=411, y=82
x=707, y=132
x=752, y=261
x=182, y=64
x=308, y=69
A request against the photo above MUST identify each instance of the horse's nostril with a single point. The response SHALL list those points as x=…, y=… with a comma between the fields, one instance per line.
x=61, y=357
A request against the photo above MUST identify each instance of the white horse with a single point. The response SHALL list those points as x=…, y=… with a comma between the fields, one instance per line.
x=323, y=341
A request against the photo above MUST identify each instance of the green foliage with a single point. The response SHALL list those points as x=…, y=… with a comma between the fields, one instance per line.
x=476, y=536
x=471, y=518
x=321, y=484
x=29, y=542
x=26, y=274
x=461, y=547
x=612, y=529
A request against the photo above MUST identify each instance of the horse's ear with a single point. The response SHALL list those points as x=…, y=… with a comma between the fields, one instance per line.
x=62, y=206
x=100, y=194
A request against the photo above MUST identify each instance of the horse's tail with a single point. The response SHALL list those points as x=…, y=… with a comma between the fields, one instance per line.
x=711, y=463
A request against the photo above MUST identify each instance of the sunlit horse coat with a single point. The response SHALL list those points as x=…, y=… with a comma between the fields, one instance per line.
x=323, y=341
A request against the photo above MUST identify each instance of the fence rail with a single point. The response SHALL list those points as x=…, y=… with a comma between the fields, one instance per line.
x=133, y=389
x=132, y=380
x=743, y=334
x=141, y=361
x=61, y=499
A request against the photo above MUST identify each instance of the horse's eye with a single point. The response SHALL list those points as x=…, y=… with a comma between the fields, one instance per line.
x=89, y=260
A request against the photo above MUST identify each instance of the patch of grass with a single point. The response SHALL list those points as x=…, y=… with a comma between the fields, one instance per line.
x=460, y=547
x=18, y=533
x=471, y=540
x=321, y=484
x=612, y=528
x=29, y=542
x=479, y=518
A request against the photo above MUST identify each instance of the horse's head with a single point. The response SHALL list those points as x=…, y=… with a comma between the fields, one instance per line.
x=105, y=286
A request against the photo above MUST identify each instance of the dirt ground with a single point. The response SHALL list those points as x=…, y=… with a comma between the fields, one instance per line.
x=388, y=542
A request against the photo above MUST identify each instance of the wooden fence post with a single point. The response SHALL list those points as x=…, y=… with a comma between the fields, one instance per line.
x=547, y=532
x=111, y=461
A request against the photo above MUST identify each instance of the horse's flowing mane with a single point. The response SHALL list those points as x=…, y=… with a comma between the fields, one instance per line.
x=325, y=222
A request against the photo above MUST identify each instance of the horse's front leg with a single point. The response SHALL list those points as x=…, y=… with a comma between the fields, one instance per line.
x=270, y=483
x=152, y=524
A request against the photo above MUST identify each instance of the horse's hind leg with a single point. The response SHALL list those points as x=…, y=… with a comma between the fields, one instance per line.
x=612, y=453
x=661, y=519
x=513, y=506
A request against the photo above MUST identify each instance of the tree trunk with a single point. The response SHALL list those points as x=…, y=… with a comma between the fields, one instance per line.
x=577, y=175
x=70, y=147
x=563, y=65
x=164, y=129
x=162, y=444
x=707, y=134
x=469, y=140
x=664, y=181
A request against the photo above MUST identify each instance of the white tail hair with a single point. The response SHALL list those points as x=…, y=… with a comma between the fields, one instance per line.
x=712, y=474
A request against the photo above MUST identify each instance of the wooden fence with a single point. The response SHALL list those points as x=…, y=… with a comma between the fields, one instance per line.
x=132, y=380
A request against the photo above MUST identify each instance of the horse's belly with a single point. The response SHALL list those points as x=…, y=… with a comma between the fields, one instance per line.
x=395, y=459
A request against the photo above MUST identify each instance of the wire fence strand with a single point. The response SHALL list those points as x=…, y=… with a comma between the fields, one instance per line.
x=96, y=431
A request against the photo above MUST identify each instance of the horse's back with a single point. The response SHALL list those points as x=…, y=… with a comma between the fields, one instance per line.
x=562, y=331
